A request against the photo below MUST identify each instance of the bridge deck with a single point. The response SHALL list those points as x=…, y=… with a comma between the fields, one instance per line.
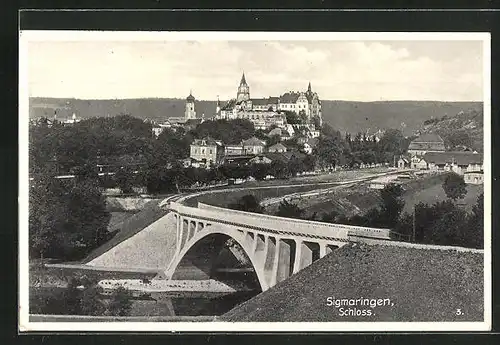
x=277, y=225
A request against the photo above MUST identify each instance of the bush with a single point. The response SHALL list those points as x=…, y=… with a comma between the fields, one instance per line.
x=247, y=203
x=289, y=210
x=454, y=186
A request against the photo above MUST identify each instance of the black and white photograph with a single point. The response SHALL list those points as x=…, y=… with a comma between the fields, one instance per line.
x=254, y=181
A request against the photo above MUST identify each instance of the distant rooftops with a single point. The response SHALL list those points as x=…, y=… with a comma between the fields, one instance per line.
x=459, y=158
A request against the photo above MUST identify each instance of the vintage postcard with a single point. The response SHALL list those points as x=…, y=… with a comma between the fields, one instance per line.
x=254, y=181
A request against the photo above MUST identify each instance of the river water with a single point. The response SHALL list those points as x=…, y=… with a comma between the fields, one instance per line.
x=184, y=305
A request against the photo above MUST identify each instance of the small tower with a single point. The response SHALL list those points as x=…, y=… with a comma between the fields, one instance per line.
x=217, y=108
x=309, y=89
x=190, y=113
x=243, y=90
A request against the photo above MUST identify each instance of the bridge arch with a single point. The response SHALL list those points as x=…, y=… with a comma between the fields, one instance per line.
x=204, y=244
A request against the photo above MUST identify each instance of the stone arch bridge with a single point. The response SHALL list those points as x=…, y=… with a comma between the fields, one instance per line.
x=276, y=247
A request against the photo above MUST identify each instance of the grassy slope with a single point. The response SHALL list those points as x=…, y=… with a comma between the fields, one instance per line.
x=424, y=285
x=342, y=115
x=130, y=227
x=117, y=218
x=361, y=198
x=436, y=193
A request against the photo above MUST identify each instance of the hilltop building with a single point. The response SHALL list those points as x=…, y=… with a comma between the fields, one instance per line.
x=266, y=112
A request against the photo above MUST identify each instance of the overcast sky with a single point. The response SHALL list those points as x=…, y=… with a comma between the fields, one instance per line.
x=337, y=70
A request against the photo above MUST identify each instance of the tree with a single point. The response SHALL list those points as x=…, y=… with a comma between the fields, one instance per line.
x=247, y=203
x=67, y=222
x=289, y=210
x=392, y=144
x=272, y=140
x=476, y=223
x=309, y=162
x=303, y=116
x=292, y=118
x=124, y=179
x=295, y=165
x=459, y=138
x=328, y=151
x=90, y=300
x=259, y=171
x=120, y=303
x=228, y=131
x=316, y=121
x=392, y=204
x=454, y=186
x=279, y=169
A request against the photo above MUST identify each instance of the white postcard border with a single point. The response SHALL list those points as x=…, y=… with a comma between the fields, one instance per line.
x=26, y=325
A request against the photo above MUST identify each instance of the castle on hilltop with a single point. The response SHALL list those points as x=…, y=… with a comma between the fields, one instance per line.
x=266, y=112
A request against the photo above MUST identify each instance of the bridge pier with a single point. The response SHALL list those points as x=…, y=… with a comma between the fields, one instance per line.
x=285, y=259
x=269, y=250
x=274, y=271
x=322, y=249
x=178, y=233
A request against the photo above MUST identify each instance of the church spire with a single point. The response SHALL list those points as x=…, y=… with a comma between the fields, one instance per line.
x=243, y=80
x=309, y=89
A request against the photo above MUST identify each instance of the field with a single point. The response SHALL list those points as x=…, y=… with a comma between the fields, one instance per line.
x=436, y=193
x=421, y=284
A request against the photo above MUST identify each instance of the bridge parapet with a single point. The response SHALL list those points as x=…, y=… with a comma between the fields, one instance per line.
x=320, y=228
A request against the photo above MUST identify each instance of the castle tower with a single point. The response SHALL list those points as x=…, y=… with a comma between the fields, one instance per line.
x=243, y=90
x=190, y=113
x=217, y=108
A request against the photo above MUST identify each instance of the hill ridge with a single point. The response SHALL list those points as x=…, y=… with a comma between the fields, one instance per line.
x=346, y=116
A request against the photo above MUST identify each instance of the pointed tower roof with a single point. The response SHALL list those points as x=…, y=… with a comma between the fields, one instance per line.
x=309, y=89
x=243, y=80
x=190, y=98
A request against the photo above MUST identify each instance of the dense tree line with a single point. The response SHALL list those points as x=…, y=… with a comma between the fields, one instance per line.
x=176, y=178
x=230, y=132
x=443, y=223
x=62, y=148
x=67, y=219
x=334, y=150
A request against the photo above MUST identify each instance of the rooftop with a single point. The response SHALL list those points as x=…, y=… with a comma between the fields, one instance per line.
x=428, y=138
x=289, y=97
x=277, y=146
x=205, y=142
x=460, y=158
